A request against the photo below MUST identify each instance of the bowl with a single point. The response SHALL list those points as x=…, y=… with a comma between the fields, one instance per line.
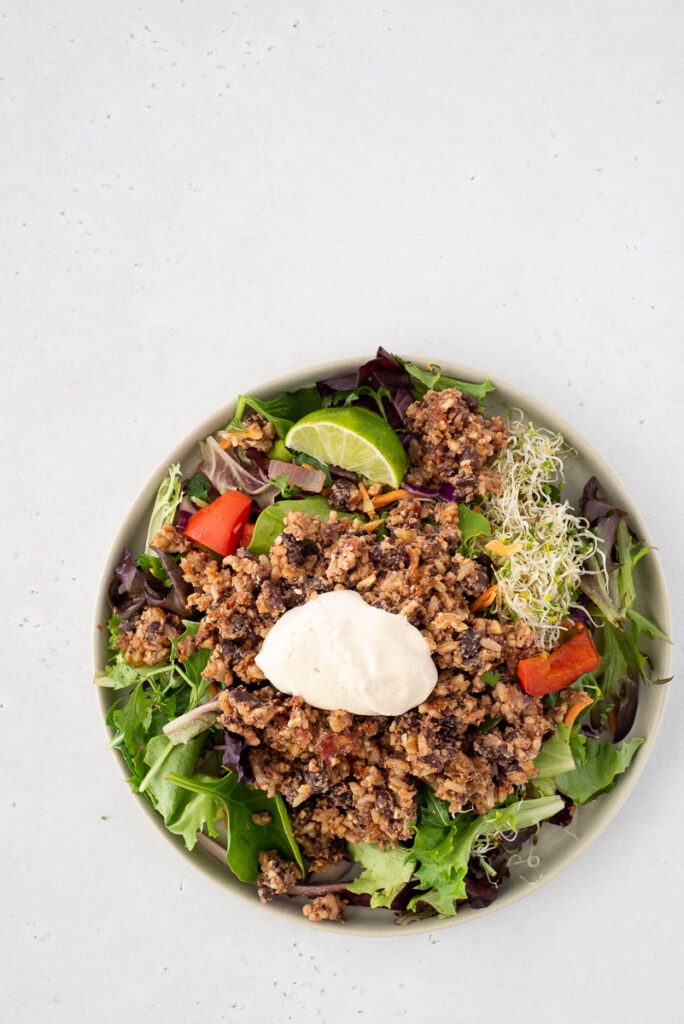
x=556, y=848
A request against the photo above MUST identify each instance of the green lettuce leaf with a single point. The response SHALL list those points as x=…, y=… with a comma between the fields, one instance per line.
x=198, y=487
x=555, y=757
x=431, y=378
x=598, y=764
x=166, y=502
x=385, y=872
x=156, y=694
x=350, y=397
x=445, y=843
x=240, y=804
x=184, y=813
x=282, y=411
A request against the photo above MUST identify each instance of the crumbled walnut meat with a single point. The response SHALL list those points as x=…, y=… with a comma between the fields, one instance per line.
x=276, y=875
x=451, y=443
x=348, y=778
x=345, y=495
x=145, y=639
x=256, y=434
x=169, y=538
x=326, y=908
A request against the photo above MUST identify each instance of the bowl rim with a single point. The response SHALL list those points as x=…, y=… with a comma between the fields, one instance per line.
x=363, y=921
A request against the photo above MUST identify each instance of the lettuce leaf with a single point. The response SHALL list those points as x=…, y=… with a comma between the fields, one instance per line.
x=240, y=805
x=282, y=411
x=385, y=872
x=184, y=813
x=440, y=857
x=555, y=757
x=431, y=378
x=156, y=695
x=597, y=765
x=445, y=843
x=166, y=502
x=226, y=472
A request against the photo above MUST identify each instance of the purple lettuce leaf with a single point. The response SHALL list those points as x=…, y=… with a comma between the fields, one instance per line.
x=228, y=473
x=131, y=589
x=235, y=757
x=382, y=372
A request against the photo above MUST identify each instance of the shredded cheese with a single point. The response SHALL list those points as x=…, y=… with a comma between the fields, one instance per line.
x=541, y=543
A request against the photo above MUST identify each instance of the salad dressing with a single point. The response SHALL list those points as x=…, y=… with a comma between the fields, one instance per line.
x=340, y=653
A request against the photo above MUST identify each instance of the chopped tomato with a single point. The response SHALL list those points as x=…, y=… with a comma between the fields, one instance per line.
x=219, y=525
x=547, y=673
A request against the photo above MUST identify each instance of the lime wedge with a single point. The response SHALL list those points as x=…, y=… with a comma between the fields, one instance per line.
x=354, y=439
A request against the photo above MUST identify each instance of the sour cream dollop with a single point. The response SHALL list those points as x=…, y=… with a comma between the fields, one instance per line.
x=339, y=653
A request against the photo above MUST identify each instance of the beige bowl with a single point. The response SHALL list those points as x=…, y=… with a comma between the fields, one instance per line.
x=556, y=849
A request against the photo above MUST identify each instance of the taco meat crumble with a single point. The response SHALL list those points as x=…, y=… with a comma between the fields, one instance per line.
x=349, y=778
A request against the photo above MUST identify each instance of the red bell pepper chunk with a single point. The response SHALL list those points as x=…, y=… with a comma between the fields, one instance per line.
x=548, y=672
x=219, y=525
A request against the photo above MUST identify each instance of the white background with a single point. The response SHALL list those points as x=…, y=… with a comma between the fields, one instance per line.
x=197, y=196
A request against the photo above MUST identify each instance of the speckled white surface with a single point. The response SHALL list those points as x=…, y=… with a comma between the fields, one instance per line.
x=198, y=196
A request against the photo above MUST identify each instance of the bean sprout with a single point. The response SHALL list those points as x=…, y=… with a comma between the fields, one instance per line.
x=538, y=580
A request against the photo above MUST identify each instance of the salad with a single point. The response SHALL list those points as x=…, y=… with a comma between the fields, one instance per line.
x=392, y=485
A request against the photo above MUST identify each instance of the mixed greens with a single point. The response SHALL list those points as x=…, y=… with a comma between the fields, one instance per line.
x=575, y=571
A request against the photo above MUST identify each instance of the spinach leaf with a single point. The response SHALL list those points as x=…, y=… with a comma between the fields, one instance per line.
x=472, y=525
x=271, y=520
x=184, y=814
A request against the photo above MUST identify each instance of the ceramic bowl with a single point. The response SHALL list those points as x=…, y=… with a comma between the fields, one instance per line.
x=556, y=848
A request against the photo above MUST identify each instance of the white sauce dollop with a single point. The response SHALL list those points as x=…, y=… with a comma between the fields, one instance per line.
x=339, y=653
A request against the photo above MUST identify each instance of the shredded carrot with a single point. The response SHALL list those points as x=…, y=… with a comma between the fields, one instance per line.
x=213, y=689
x=485, y=599
x=380, y=500
x=370, y=526
x=612, y=720
x=583, y=700
x=497, y=547
x=367, y=500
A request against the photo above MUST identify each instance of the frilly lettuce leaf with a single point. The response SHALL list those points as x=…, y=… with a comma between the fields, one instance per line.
x=444, y=844
x=597, y=765
x=439, y=858
x=385, y=872
x=166, y=502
